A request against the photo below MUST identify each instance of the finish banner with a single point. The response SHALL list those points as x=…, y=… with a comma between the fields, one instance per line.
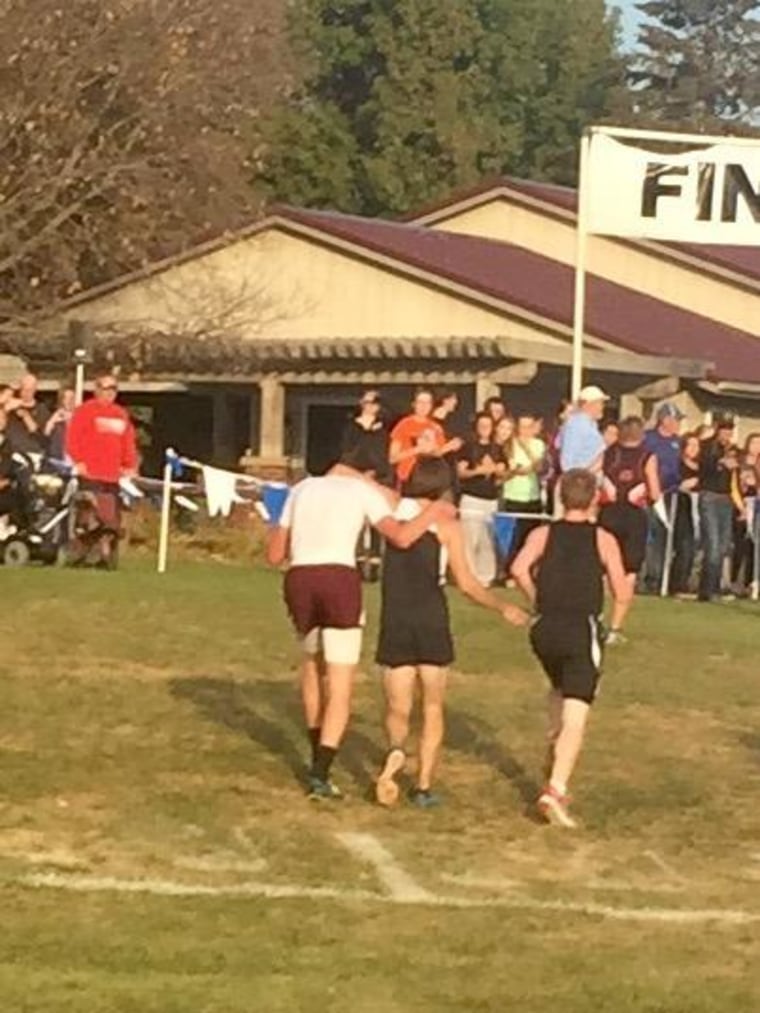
x=709, y=195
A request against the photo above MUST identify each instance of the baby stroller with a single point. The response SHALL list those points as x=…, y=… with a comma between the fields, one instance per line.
x=96, y=526
x=40, y=530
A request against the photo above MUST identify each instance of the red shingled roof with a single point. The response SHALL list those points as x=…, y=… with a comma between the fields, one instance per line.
x=625, y=318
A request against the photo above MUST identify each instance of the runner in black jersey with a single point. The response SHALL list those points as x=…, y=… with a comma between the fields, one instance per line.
x=415, y=642
x=561, y=569
x=631, y=482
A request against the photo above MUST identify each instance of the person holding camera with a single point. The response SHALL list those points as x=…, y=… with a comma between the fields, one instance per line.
x=58, y=423
x=27, y=419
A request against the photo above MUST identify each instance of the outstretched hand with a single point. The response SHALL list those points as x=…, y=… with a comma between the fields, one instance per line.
x=514, y=615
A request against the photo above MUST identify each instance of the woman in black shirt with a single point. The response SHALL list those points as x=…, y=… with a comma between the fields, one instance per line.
x=685, y=532
x=366, y=438
x=366, y=442
x=479, y=469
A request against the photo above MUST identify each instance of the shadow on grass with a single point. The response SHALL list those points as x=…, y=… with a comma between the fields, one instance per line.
x=751, y=741
x=269, y=714
x=475, y=737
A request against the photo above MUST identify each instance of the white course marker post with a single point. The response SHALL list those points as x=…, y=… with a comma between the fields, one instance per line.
x=667, y=563
x=581, y=243
x=79, y=364
x=166, y=513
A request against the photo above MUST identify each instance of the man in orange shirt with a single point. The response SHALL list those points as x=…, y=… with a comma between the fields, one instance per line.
x=418, y=434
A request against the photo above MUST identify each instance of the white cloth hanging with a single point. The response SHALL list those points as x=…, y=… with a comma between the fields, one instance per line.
x=220, y=490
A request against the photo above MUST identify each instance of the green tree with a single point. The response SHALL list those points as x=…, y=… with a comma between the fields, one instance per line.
x=403, y=100
x=698, y=63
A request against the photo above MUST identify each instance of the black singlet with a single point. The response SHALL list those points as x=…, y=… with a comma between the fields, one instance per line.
x=569, y=581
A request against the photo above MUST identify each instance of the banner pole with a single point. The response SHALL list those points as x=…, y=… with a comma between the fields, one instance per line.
x=579, y=307
x=166, y=507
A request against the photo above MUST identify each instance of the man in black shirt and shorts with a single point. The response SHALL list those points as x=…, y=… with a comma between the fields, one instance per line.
x=415, y=642
x=561, y=570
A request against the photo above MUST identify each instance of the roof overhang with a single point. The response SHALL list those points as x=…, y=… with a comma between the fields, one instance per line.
x=730, y=388
x=366, y=360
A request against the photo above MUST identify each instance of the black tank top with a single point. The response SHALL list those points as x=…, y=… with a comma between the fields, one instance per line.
x=570, y=573
x=625, y=468
x=412, y=577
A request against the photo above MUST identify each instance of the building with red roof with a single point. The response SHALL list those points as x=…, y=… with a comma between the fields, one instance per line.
x=269, y=334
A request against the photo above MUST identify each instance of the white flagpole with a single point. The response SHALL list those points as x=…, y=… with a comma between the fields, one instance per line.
x=667, y=563
x=166, y=510
x=579, y=311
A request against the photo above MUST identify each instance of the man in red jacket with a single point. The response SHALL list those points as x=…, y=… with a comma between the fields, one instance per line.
x=100, y=440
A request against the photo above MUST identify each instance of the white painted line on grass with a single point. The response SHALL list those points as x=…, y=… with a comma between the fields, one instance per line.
x=172, y=888
x=396, y=880
x=243, y=840
x=275, y=891
x=221, y=864
x=664, y=866
x=498, y=884
x=622, y=886
x=482, y=882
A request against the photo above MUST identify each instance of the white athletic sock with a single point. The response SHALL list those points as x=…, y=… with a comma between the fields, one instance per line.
x=560, y=788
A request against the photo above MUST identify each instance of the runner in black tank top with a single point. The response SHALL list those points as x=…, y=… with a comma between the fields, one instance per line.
x=570, y=576
x=415, y=642
x=414, y=616
x=561, y=569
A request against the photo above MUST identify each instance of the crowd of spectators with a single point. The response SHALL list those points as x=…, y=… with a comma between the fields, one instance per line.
x=680, y=503
x=95, y=441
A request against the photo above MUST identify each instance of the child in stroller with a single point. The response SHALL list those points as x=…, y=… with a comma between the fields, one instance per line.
x=96, y=526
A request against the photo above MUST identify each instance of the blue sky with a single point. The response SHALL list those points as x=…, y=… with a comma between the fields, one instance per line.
x=630, y=17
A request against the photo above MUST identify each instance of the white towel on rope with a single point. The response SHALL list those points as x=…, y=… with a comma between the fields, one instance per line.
x=220, y=490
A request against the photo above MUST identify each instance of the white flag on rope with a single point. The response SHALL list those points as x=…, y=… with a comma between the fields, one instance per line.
x=708, y=195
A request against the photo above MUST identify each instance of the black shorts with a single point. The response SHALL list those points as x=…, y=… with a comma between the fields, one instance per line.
x=416, y=636
x=630, y=525
x=570, y=650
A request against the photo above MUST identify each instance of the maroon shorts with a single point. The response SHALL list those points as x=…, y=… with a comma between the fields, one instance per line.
x=323, y=597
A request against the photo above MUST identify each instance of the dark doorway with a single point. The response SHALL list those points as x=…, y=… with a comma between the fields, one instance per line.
x=325, y=424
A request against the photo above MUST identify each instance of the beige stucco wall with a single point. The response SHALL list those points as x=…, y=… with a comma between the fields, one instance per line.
x=278, y=285
x=674, y=283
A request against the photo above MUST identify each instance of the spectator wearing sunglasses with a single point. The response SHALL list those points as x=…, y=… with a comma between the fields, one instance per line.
x=100, y=439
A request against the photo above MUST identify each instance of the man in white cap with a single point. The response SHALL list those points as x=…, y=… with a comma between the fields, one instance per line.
x=581, y=444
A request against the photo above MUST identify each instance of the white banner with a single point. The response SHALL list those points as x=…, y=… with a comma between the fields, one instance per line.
x=710, y=195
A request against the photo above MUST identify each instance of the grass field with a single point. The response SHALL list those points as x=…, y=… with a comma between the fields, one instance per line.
x=157, y=853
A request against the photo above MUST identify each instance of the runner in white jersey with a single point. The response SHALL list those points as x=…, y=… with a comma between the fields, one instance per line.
x=318, y=532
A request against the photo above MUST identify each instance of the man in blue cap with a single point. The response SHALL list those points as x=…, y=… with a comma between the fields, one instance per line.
x=664, y=442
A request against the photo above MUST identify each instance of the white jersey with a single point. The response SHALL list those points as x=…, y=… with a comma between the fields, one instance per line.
x=326, y=515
